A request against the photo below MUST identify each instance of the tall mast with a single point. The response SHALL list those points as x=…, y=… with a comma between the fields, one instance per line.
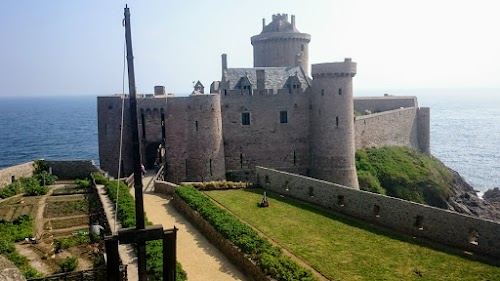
x=139, y=205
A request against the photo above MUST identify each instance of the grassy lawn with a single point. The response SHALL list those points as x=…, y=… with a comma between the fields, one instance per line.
x=345, y=250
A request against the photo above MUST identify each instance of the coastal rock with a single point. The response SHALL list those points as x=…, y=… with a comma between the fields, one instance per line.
x=464, y=199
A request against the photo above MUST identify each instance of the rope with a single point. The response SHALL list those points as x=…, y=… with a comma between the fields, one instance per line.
x=121, y=137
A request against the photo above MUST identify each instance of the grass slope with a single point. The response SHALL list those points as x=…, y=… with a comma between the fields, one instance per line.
x=345, y=250
x=404, y=173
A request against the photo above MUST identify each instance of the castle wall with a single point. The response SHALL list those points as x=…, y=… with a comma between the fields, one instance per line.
x=149, y=112
x=395, y=128
x=10, y=174
x=108, y=126
x=386, y=103
x=195, y=149
x=266, y=141
x=424, y=130
x=72, y=169
x=332, y=126
x=443, y=226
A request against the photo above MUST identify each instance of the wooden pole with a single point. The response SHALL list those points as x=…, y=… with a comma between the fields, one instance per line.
x=113, y=258
x=139, y=206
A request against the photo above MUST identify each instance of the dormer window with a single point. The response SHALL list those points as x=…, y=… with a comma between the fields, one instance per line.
x=244, y=85
x=293, y=84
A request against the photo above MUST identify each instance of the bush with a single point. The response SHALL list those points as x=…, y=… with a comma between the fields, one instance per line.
x=68, y=264
x=85, y=183
x=45, y=178
x=270, y=259
x=32, y=187
x=11, y=190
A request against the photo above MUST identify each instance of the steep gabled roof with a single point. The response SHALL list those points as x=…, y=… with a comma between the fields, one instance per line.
x=276, y=77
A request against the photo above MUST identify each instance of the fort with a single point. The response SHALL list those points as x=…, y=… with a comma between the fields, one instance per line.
x=279, y=114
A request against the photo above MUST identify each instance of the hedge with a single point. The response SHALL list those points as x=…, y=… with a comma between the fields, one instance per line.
x=126, y=215
x=270, y=259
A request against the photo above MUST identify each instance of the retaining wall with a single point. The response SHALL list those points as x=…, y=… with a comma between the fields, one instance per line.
x=229, y=250
x=442, y=226
x=8, y=175
x=164, y=187
x=72, y=169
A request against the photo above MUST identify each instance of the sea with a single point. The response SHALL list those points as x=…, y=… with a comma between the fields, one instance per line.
x=465, y=129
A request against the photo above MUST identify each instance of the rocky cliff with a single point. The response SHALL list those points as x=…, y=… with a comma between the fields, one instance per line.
x=464, y=199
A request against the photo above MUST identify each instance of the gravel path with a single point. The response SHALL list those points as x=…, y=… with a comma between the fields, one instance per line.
x=200, y=259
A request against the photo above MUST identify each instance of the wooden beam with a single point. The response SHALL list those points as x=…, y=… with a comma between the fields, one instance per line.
x=133, y=235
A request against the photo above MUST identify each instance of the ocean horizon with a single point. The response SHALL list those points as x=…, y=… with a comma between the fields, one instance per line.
x=465, y=129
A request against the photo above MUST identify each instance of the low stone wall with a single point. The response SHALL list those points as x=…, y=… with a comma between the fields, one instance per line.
x=442, y=226
x=8, y=175
x=229, y=250
x=72, y=169
x=164, y=187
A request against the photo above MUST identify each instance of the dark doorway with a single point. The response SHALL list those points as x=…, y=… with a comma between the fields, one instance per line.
x=151, y=155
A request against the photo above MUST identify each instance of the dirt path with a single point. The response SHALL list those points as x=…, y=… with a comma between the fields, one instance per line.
x=200, y=259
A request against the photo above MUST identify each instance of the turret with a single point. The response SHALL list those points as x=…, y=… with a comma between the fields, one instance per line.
x=281, y=44
x=332, y=123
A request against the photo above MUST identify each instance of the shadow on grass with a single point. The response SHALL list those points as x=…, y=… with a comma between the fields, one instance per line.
x=372, y=228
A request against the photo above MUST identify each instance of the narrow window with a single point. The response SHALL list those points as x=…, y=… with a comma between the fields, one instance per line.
x=162, y=125
x=286, y=186
x=473, y=236
x=245, y=118
x=340, y=200
x=302, y=47
x=294, y=158
x=105, y=129
x=311, y=191
x=143, y=121
x=376, y=211
x=241, y=160
x=322, y=92
x=13, y=179
x=210, y=163
x=283, y=117
x=186, y=167
x=419, y=222
x=225, y=92
x=196, y=125
x=340, y=91
x=267, y=180
x=337, y=121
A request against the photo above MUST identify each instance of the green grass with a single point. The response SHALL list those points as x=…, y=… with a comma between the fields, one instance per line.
x=345, y=250
x=404, y=173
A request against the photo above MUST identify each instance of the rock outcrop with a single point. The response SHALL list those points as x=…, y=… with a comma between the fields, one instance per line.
x=465, y=200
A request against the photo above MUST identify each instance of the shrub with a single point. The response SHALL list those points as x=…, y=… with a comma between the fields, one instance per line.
x=45, y=178
x=68, y=264
x=369, y=182
x=85, y=183
x=11, y=190
x=32, y=187
x=270, y=259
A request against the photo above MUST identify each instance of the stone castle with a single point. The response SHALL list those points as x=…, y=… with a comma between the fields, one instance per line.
x=279, y=114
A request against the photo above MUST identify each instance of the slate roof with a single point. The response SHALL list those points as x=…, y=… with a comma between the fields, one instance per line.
x=276, y=77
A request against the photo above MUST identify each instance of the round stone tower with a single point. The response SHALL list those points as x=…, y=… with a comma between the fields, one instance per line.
x=332, y=123
x=281, y=44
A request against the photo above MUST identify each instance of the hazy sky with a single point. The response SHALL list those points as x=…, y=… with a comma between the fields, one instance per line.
x=76, y=47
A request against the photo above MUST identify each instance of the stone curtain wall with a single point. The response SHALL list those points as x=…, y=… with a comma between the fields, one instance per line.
x=396, y=127
x=386, y=103
x=72, y=169
x=446, y=227
x=15, y=172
